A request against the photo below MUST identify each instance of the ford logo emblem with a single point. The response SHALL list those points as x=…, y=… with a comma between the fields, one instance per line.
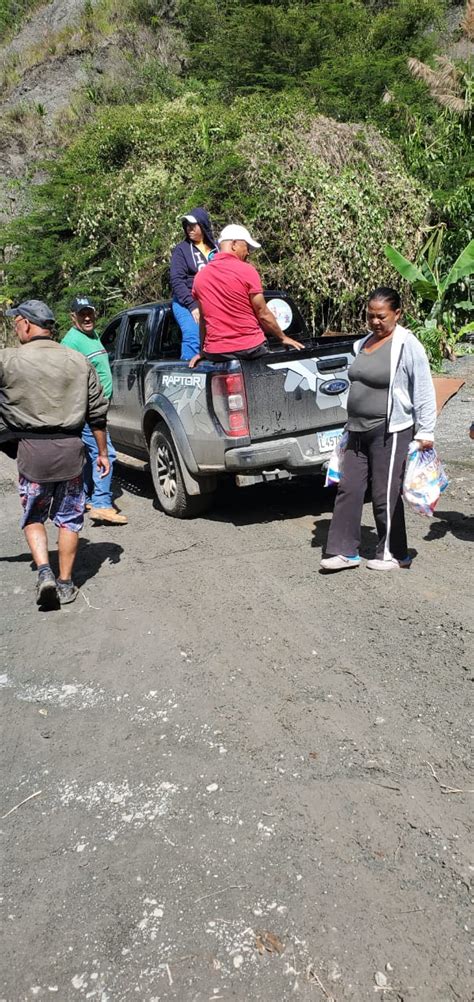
x=334, y=386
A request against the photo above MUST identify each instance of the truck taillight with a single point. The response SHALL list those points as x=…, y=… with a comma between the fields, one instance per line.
x=230, y=403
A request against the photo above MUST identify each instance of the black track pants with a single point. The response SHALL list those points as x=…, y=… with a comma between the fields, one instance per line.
x=377, y=457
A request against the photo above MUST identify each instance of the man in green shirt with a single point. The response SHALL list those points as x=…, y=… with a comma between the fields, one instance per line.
x=83, y=337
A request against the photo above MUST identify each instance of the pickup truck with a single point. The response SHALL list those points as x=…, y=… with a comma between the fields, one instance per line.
x=269, y=418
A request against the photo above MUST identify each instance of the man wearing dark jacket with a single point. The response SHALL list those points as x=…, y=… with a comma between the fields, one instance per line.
x=47, y=393
x=189, y=257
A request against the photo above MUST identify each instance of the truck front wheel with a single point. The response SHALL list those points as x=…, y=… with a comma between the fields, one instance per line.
x=168, y=480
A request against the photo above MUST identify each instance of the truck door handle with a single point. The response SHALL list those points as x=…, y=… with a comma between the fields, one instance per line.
x=329, y=364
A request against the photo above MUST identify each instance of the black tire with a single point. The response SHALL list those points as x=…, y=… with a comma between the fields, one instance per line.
x=165, y=465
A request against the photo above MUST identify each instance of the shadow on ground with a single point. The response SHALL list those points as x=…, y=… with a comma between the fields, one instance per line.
x=271, y=502
x=134, y=480
x=454, y=522
x=91, y=556
x=368, y=538
x=267, y=502
x=89, y=560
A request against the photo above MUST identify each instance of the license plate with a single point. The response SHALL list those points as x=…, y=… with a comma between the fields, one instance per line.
x=327, y=440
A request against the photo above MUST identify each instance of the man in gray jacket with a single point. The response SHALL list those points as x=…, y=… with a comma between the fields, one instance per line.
x=47, y=393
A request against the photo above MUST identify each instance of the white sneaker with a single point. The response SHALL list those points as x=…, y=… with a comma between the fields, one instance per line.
x=389, y=565
x=339, y=563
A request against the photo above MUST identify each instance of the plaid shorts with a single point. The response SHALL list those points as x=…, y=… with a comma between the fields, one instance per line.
x=63, y=502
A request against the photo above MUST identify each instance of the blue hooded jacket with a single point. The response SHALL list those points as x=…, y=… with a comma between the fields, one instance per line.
x=183, y=267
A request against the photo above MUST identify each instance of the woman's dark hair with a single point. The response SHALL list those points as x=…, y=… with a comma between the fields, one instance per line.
x=388, y=295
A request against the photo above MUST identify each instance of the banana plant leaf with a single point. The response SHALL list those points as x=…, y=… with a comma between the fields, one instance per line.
x=428, y=274
x=466, y=329
x=412, y=274
x=462, y=267
x=405, y=268
x=427, y=291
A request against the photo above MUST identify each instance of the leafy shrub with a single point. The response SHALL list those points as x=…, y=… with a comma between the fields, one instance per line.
x=323, y=197
x=344, y=52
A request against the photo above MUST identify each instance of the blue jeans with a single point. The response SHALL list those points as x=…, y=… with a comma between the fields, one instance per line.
x=190, y=344
x=98, y=489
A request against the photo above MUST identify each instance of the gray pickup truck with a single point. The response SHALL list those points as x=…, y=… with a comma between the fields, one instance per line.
x=270, y=418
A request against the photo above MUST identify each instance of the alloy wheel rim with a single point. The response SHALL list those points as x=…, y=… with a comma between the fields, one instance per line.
x=166, y=471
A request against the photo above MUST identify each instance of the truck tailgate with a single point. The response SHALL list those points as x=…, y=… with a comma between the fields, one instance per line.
x=298, y=391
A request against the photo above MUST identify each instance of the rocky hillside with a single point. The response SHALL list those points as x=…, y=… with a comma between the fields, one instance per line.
x=67, y=58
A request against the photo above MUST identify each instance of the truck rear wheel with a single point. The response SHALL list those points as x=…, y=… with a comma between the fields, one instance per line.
x=165, y=465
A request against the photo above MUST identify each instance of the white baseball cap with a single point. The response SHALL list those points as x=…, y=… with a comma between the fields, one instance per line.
x=190, y=219
x=236, y=232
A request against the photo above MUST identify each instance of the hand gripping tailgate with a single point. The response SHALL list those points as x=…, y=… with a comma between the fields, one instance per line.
x=292, y=392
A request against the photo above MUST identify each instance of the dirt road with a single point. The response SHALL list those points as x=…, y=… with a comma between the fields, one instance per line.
x=248, y=781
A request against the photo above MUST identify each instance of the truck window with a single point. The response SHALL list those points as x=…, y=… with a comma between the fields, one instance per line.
x=136, y=332
x=171, y=338
x=110, y=337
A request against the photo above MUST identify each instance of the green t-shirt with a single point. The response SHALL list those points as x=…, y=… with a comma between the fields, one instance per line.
x=91, y=346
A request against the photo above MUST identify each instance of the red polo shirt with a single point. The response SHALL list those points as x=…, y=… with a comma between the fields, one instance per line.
x=223, y=289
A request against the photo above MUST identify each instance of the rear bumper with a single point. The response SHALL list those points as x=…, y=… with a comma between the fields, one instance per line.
x=298, y=454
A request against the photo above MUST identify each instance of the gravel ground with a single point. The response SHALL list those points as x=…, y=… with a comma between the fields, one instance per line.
x=248, y=781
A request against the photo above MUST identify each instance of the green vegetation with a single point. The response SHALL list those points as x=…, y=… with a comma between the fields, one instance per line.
x=323, y=197
x=345, y=53
x=438, y=294
x=240, y=129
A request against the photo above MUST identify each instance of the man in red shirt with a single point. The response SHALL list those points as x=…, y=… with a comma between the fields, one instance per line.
x=233, y=311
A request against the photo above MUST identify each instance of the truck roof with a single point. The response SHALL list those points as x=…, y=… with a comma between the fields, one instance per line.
x=167, y=302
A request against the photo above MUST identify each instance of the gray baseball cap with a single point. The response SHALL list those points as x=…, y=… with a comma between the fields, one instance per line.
x=33, y=310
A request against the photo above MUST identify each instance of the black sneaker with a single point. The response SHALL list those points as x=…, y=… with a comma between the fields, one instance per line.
x=46, y=590
x=67, y=591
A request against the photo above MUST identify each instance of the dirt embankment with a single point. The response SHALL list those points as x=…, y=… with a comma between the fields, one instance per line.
x=35, y=86
x=52, y=73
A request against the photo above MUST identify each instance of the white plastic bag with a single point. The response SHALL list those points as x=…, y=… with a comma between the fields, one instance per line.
x=425, y=479
x=336, y=461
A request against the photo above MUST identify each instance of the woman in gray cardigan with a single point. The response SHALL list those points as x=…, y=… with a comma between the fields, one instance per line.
x=391, y=401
